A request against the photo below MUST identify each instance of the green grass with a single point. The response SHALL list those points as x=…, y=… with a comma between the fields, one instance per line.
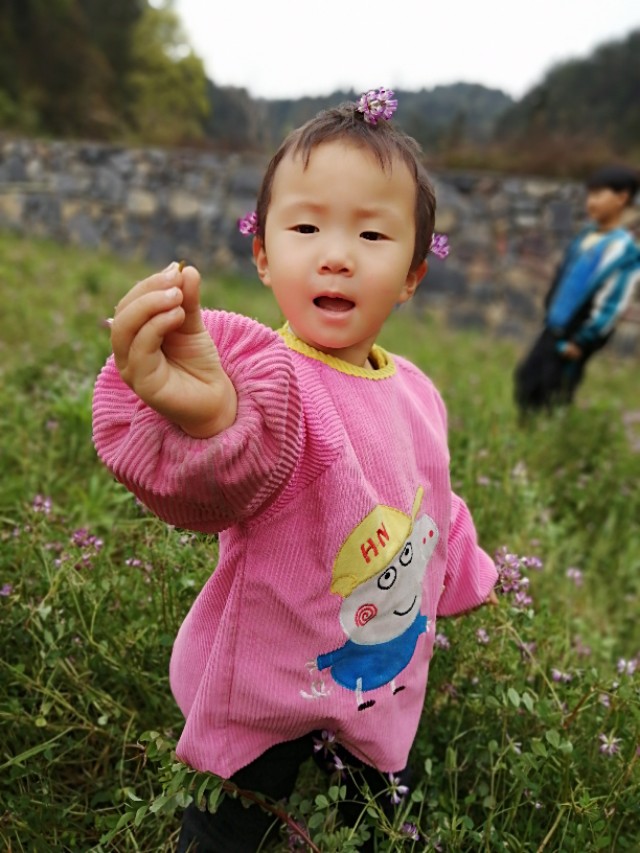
x=94, y=589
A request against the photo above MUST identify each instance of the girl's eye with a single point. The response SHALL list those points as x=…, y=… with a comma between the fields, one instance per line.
x=305, y=229
x=371, y=235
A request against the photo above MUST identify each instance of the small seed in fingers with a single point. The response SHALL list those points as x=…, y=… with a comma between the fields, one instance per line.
x=181, y=265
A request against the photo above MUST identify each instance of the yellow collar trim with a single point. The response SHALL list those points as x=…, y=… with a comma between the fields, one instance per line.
x=380, y=358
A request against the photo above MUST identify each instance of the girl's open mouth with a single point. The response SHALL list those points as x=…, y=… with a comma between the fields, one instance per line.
x=333, y=303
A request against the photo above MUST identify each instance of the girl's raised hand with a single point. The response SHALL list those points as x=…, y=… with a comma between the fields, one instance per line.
x=164, y=353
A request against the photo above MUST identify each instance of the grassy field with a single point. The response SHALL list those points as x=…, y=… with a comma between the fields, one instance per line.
x=530, y=738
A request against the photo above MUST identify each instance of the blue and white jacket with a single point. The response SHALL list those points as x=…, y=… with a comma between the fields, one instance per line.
x=592, y=289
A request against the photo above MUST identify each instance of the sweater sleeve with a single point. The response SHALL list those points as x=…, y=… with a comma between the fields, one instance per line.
x=208, y=484
x=612, y=299
x=471, y=574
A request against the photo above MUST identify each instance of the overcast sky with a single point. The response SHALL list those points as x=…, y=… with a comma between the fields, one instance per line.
x=289, y=48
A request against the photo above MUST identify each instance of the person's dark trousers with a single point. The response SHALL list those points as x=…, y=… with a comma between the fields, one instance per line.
x=544, y=378
x=234, y=828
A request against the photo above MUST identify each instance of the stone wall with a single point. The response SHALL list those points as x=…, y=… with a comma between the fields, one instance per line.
x=506, y=233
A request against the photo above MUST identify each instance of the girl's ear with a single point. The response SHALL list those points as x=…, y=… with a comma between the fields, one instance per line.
x=413, y=280
x=260, y=259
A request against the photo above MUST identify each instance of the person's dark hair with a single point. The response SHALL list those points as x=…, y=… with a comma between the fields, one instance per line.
x=616, y=178
x=383, y=139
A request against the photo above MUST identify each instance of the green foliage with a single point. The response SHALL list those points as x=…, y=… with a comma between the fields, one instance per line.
x=105, y=69
x=62, y=63
x=520, y=703
x=235, y=121
x=168, y=83
x=124, y=70
x=583, y=112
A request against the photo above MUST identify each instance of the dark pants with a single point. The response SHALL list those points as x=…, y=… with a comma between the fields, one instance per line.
x=545, y=379
x=234, y=828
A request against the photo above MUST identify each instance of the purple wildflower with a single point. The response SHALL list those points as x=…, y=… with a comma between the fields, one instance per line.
x=442, y=641
x=605, y=700
x=609, y=745
x=248, y=224
x=88, y=544
x=482, y=637
x=522, y=600
x=42, y=504
x=6, y=590
x=296, y=840
x=83, y=539
x=581, y=648
x=627, y=667
x=397, y=791
x=376, y=105
x=575, y=575
x=338, y=764
x=410, y=830
x=510, y=577
x=440, y=246
x=327, y=743
x=528, y=650
x=559, y=676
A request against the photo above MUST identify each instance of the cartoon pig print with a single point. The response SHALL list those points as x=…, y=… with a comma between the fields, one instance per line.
x=379, y=573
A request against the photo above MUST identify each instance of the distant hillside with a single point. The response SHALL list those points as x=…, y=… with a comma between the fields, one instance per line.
x=590, y=108
x=123, y=71
x=435, y=117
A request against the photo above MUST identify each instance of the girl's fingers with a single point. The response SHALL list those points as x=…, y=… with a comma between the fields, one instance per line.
x=191, y=301
x=145, y=354
x=169, y=277
x=151, y=307
x=146, y=368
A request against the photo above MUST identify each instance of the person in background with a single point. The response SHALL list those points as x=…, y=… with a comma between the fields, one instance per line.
x=592, y=288
x=322, y=462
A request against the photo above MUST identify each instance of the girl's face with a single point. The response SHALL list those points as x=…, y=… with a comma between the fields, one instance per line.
x=339, y=242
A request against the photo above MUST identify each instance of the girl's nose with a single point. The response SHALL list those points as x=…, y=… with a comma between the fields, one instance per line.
x=336, y=260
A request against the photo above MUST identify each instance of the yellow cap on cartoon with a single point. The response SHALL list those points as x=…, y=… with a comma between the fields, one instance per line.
x=372, y=545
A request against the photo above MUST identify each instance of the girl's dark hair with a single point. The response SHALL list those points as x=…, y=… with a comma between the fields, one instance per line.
x=383, y=139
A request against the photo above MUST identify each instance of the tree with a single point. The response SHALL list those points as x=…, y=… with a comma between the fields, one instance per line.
x=583, y=104
x=168, y=83
x=61, y=64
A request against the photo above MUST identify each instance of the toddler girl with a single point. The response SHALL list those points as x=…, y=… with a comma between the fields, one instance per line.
x=319, y=458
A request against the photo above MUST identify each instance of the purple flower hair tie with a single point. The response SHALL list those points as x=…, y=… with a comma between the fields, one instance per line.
x=440, y=246
x=376, y=105
x=248, y=224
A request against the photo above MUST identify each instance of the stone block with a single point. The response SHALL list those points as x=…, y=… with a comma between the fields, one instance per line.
x=141, y=203
x=443, y=278
x=11, y=209
x=183, y=205
x=83, y=231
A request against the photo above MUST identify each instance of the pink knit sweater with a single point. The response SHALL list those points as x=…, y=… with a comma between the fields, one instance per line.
x=340, y=543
